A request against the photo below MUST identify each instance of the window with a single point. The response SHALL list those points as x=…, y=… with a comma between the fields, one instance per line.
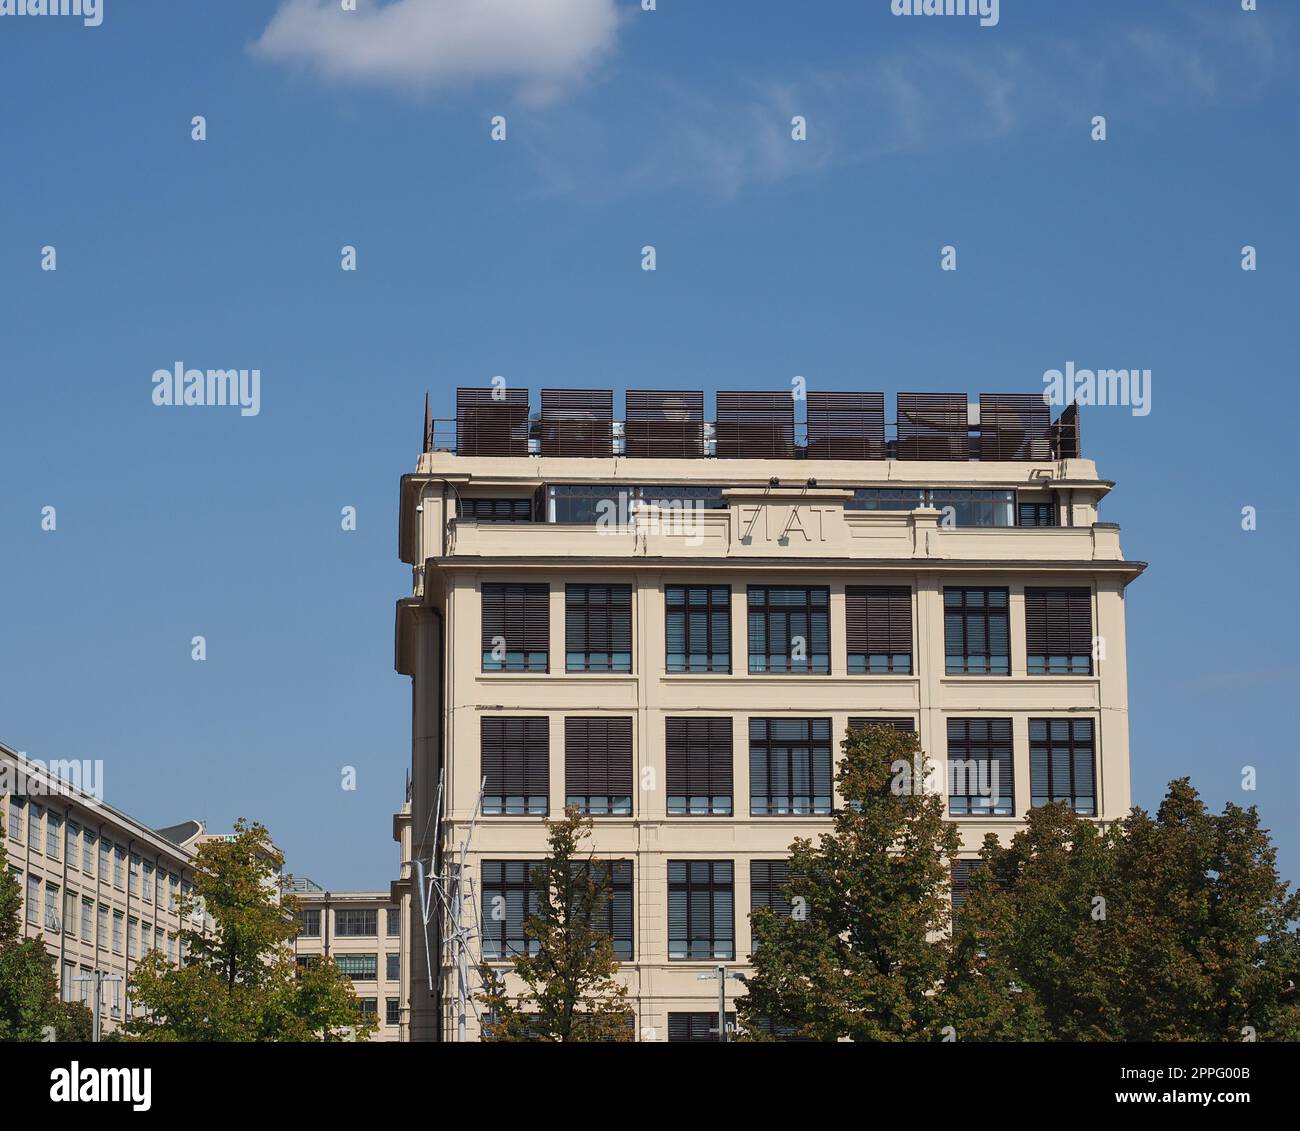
x=359, y=967
x=88, y=852
x=117, y=932
x=74, y=844
x=683, y=496
x=146, y=937
x=105, y=852
x=132, y=929
x=958, y=506
x=392, y=1011
x=1058, y=631
x=516, y=628
x=368, y=1007
x=70, y=913
x=306, y=961
x=87, y=920
x=589, y=502
x=133, y=877
x=173, y=891
x=171, y=947
x=34, y=827
x=1061, y=764
x=67, y=984
x=980, y=768
x=119, y=866
x=148, y=882
x=309, y=923
x=966, y=507
x=598, y=765
x=615, y=918
x=962, y=870
x=878, y=627
x=393, y=967
x=699, y=767
x=1036, y=514
x=52, y=907
x=497, y=510
x=598, y=628
x=697, y=1028
x=53, y=835
x=515, y=761
x=976, y=631
x=701, y=909
x=789, y=630
x=789, y=767
x=394, y=915
x=508, y=899
x=767, y=880
x=33, y=900
x=16, y=806
x=698, y=628
x=101, y=927
x=356, y=923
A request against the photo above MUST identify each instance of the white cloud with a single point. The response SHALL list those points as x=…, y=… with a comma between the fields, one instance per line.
x=434, y=44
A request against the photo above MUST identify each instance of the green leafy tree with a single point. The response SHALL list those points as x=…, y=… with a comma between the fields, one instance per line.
x=862, y=953
x=1167, y=928
x=30, y=1009
x=240, y=981
x=570, y=992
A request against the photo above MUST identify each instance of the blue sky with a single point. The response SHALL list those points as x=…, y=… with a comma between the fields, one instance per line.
x=522, y=258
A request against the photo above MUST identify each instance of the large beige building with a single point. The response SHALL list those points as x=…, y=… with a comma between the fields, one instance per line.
x=362, y=932
x=670, y=621
x=99, y=889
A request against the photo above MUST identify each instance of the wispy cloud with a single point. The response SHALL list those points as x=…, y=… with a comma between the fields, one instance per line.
x=545, y=48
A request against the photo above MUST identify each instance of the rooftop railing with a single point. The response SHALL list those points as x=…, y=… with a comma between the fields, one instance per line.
x=756, y=425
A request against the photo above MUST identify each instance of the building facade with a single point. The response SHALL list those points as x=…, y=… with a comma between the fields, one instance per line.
x=362, y=932
x=99, y=889
x=671, y=621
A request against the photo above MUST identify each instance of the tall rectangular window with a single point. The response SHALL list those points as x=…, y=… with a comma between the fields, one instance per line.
x=105, y=855
x=1058, y=630
x=394, y=921
x=52, y=907
x=789, y=629
x=132, y=933
x=70, y=913
x=962, y=870
x=598, y=765
x=148, y=882
x=392, y=1011
x=701, y=909
x=393, y=967
x=118, y=919
x=878, y=628
x=88, y=852
x=508, y=899
x=309, y=923
x=515, y=761
x=767, y=880
x=87, y=920
x=980, y=768
x=74, y=844
x=101, y=927
x=356, y=922
x=1062, y=764
x=33, y=900
x=598, y=628
x=615, y=919
x=34, y=814
x=133, y=876
x=119, y=866
x=699, y=767
x=789, y=767
x=698, y=628
x=16, y=807
x=54, y=835
x=516, y=625
x=977, y=632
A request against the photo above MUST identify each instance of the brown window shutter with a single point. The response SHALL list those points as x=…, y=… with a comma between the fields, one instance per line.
x=1058, y=621
x=598, y=757
x=699, y=756
x=878, y=619
x=520, y=614
x=515, y=755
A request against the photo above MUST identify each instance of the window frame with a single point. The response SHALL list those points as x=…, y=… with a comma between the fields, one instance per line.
x=985, y=615
x=761, y=617
x=680, y=609
x=685, y=886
